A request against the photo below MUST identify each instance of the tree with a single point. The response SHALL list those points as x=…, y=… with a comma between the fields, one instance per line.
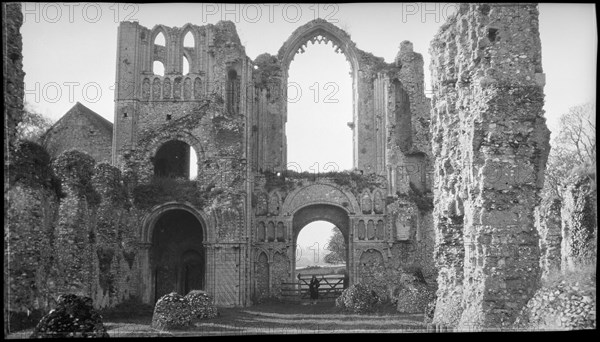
x=337, y=248
x=33, y=125
x=573, y=149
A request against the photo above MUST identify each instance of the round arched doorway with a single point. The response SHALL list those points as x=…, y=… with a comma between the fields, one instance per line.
x=334, y=278
x=177, y=256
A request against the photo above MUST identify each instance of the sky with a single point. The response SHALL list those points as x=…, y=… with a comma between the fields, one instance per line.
x=70, y=55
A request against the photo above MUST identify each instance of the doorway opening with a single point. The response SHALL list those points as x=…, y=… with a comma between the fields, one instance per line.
x=177, y=254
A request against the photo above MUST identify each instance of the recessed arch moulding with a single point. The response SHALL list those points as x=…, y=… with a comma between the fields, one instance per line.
x=232, y=111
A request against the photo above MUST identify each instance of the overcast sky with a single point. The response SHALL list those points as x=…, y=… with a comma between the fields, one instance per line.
x=70, y=53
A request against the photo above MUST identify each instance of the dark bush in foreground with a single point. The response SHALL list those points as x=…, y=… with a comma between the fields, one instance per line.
x=74, y=316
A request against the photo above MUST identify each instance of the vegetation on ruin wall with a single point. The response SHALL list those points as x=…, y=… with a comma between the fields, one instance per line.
x=423, y=200
x=355, y=182
x=107, y=180
x=165, y=189
x=75, y=169
x=30, y=165
x=268, y=73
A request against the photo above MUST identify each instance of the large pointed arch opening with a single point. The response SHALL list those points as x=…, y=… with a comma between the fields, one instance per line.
x=321, y=89
x=319, y=138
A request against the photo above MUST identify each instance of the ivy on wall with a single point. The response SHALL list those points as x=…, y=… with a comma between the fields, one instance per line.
x=354, y=182
x=30, y=165
x=75, y=169
x=165, y=189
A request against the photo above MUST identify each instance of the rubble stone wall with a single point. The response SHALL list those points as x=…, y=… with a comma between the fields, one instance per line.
x=579, y=222
x=491, y=145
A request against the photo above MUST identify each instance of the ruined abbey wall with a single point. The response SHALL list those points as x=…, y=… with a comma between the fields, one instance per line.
x=72, y=230
x=144, y=226
x=491, y=144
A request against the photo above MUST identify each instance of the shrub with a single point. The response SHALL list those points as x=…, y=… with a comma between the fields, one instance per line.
x=172, y=311
x=357, y=298
x=201, y=304
x=30, y=165
x=74, y=316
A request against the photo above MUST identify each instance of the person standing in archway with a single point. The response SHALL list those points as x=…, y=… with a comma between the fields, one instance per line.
x=314, y=289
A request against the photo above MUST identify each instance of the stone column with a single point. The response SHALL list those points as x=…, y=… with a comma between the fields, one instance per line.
x=491, y=145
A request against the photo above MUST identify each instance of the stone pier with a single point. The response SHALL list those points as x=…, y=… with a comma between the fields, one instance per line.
x=490, y=143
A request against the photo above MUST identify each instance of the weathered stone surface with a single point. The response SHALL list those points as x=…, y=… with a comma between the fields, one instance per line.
x=14, y=91
x=12, y=72
x=74, y=317
x=201, y=304
x=491, y=144
x=548, y=223
x=172, y=311
x=579, y=223
x=561, y=305
x=357, y=298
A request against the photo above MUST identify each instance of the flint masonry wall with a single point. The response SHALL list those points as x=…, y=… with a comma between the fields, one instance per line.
x=491, y=144
x=579, y=223
x=550, y=229
x=14, y=88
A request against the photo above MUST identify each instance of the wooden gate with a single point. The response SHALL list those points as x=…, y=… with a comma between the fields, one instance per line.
x=331, y=287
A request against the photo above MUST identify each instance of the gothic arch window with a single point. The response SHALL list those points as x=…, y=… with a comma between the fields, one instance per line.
x=280, y=232
x=270, y=231
x=189, y=48
x=159, y=53
x=232, y=92
x=261, y=233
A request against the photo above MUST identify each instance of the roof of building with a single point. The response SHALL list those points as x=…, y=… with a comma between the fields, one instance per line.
x=95, y=118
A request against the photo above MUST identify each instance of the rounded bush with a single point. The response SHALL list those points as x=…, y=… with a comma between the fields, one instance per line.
x=357, y=298
x=201, y=304
x=172, y=311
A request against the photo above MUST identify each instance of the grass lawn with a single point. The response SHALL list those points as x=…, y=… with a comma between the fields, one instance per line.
x=271, y=318
x=282, y=318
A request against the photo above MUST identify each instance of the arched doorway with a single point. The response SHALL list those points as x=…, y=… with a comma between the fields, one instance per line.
x=177, y=256
x=339, y=219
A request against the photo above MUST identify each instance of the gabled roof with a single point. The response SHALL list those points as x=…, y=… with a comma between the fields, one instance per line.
x=77, y=110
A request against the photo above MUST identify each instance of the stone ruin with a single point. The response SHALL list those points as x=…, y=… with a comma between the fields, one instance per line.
x=447, y=186
x=491, y=145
